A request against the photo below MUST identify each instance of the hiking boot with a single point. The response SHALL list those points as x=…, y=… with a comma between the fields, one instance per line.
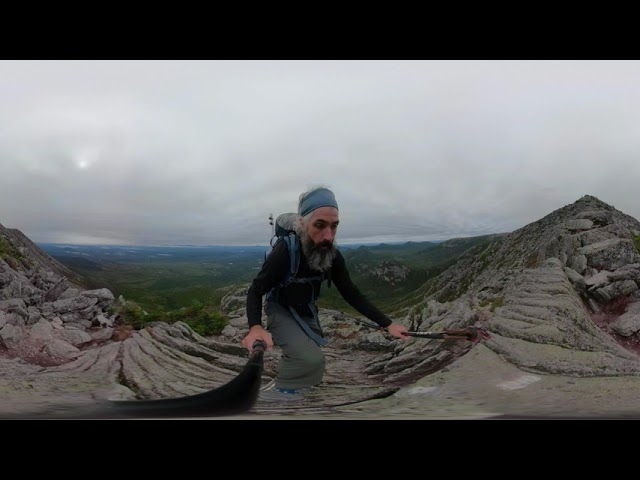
x=281, y=395
x=269, y=386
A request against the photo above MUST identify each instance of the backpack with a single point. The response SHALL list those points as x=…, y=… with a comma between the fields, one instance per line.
x=285, y=232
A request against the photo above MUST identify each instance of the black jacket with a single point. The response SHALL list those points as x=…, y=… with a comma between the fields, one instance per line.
x=298, y=295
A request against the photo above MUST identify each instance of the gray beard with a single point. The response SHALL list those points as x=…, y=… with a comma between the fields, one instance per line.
x=318, y=260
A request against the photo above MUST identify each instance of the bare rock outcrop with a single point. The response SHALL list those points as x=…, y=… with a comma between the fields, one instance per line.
x=540, y=290
x=389, y=272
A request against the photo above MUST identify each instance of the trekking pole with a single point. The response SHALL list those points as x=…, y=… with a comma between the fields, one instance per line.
x=473, y=334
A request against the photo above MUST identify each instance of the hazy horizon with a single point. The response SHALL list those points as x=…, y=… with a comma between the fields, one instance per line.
x=265, y=245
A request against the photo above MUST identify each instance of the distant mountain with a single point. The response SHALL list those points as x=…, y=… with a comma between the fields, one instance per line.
x=390, y=271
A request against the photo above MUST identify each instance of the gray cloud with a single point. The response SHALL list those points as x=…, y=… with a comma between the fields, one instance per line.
x=182, y=152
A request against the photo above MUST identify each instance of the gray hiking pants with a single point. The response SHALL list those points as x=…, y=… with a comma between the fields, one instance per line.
x=302, y=362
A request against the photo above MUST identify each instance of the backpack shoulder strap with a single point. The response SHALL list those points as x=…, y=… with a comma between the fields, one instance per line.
x=293, y=245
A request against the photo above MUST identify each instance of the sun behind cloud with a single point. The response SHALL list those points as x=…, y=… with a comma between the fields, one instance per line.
x=86, y=157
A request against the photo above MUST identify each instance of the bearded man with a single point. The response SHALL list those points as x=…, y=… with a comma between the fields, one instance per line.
x=292, y=318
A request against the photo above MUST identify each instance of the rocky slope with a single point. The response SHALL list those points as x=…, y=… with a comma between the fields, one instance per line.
x=559, y=298
x=553, y=293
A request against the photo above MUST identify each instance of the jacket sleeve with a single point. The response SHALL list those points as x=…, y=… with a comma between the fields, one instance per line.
x=342, y=280
x=271, y=274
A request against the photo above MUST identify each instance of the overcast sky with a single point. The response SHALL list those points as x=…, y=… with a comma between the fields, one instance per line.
x=201, y=152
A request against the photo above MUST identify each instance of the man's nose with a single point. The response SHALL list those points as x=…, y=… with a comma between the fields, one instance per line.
x=327, y=234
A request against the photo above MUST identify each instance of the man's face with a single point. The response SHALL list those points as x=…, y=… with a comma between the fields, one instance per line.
x=322, y=227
